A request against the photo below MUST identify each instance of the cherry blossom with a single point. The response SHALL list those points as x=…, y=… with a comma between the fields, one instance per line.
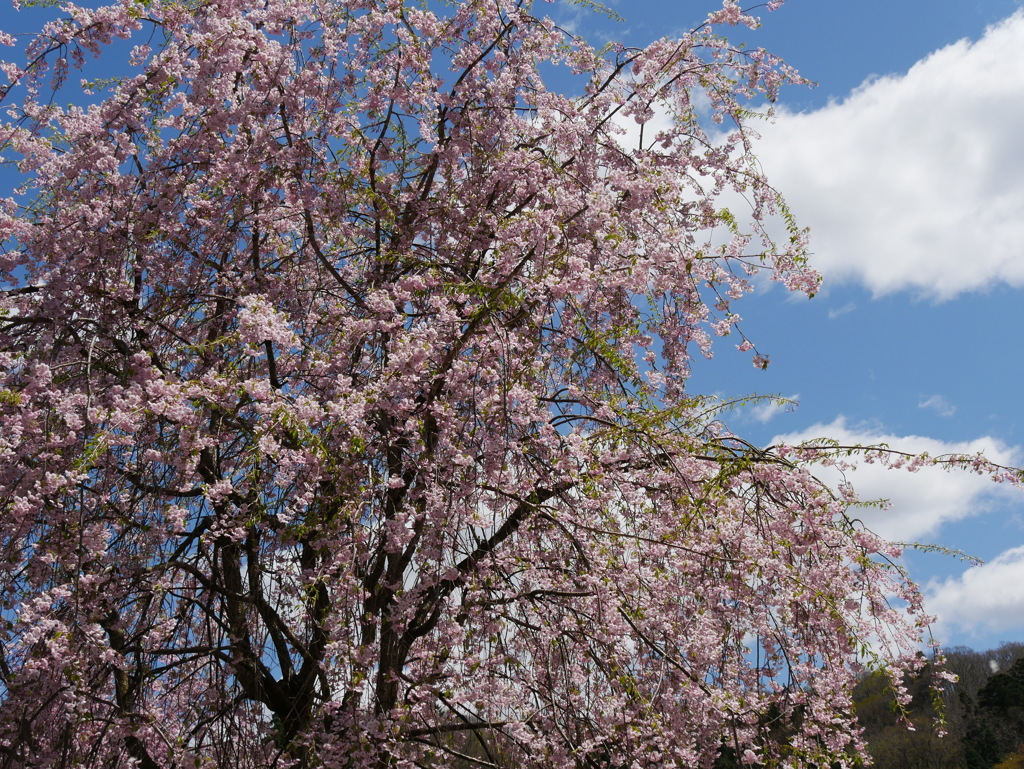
x=344, y=417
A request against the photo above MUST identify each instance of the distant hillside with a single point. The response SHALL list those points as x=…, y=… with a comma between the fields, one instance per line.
x=984, y=712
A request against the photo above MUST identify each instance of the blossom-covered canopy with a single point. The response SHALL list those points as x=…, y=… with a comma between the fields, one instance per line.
x=344, y=417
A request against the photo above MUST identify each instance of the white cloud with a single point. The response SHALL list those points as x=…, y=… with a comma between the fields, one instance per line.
x=840, y=311
x=766, y=410
x=988, y=598
x=939, y=405
x=922, y=501
x=915, y=181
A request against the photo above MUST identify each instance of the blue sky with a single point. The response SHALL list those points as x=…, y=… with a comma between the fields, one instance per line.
x=907, y=163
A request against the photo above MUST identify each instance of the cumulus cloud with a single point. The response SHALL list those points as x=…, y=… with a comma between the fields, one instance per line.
x=987, y=598
x=915, y=181
x=922, y=501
